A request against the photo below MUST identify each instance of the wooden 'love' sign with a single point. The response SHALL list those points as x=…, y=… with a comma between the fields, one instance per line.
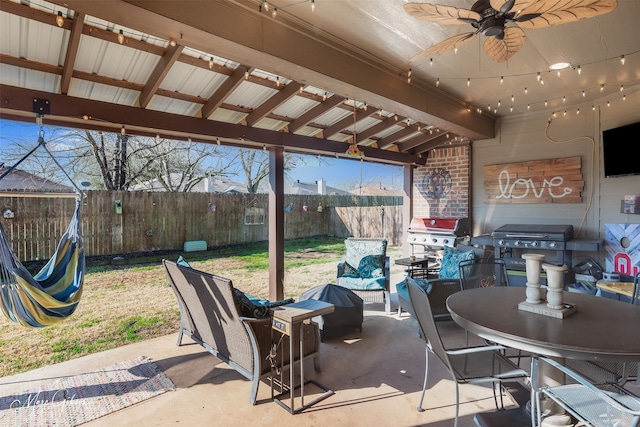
x=537, y=181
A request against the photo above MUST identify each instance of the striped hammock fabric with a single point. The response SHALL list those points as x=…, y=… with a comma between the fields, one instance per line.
x=53, y=294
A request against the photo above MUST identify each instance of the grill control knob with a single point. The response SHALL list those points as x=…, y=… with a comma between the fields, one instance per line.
x=445, y=241
x=534, y=244
x=518, y=243
x=501, y=242
x=434, y=240
x=424, y=239
x=553, y=244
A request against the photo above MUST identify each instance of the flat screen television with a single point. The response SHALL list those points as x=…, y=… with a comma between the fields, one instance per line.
x=619, y=148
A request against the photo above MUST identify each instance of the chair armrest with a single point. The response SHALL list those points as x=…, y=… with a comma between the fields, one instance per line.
x=340, y=269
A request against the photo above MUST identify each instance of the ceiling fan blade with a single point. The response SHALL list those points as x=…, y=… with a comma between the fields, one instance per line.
x=504, y=6
x=444, y=46
x=554, y=12
x=440, y=14
x=509, y=45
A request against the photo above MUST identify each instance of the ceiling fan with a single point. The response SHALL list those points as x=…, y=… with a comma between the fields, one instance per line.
x=502, y=21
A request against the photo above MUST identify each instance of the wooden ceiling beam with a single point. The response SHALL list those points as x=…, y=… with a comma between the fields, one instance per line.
x=431, y=144
x=72, y=52
x=329, y=131
x=385, y=124
x=283, y=95
x=315, y=112
x=159, y=73
x=417, y=140
x=387, y=141
x=69, y=111
x=228, y=86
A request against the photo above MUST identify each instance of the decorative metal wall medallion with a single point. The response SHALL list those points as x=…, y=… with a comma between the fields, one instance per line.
x=437, y=183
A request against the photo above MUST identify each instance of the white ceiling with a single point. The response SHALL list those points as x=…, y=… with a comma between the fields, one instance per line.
x=383, y=29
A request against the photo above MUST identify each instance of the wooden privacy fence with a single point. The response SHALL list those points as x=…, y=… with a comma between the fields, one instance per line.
x=128, y=222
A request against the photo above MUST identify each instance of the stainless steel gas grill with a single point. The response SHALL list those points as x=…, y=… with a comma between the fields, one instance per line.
x=428, y=234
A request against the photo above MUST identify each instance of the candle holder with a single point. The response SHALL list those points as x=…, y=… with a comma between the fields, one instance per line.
x=533, y=264
x=555, y=285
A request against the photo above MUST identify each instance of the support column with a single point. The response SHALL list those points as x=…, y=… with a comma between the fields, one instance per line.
x=407, y=207
x=276, y=223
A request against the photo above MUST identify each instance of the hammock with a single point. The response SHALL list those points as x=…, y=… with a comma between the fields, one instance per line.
x=53, y=294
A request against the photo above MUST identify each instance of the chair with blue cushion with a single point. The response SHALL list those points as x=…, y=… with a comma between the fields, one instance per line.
x=365, y=270
x=447, y=283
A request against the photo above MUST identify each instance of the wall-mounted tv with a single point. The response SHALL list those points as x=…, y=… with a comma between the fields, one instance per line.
x=619, y=148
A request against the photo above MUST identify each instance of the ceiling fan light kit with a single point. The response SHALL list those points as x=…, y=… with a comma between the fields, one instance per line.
x=503, y=21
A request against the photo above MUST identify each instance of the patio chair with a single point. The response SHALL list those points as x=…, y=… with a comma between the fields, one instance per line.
x=365, y=270
x=599, y=406
x=473, y=365
x=605, y=372
x=483, y=272
x=209, y=315
x=439, y=289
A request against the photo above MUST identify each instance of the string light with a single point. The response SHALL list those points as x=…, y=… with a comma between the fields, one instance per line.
x=584, y=93
x=60, y=19
x=468, y=81
x=275, y=12
x=525, y=91
x=601, y=88
x=120, y=37
x=578, y=111
x=579, y=70
x=438, y=82
x=564, y=98
x=622, y=60
x=513, y=98
x=545, y=103
x=608, y=103
x=211, y=63
x=313, y=5
x=246, y=74
x=501, y=79
x=324, y=96
x=265, y=5
x=621, y=88
x=431, y=62
x=123, y=130
x=409, y=76
x=539, y=77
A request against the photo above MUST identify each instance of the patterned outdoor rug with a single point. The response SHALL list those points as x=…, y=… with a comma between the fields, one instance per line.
x=69, y=401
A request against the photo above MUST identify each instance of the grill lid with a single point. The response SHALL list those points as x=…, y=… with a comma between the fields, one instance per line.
x=559, y=233
x=454, y=226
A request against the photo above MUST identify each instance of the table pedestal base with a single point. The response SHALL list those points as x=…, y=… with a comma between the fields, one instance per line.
x=543, y=309
x=280, y=398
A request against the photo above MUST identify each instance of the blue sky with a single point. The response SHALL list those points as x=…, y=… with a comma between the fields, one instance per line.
x=344, y=174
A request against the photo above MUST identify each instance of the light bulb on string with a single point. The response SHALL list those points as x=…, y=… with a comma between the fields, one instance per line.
x=624, y=97
x=583, y=93
x=468, y=81
x=431, y=62
x=120, y=37
x=621, y=88
x=438, y=82
x=501, y=79
x=313, y=5
x=123, y=130
x=246, y=74
x=513, y=98
x=324, y=96
x=593, y=108
x=211, y=63
x=564, y=98
x=526, y=91
x=579, y=70
x=578, y=111
x=542, y=82
x=601, y=88
x=499, y=103
x=608, y=103
x=545, y=103
x=511, y=109
x=539, y=77
x=59, y=19
x=275, y=12
x=528, y=106
x=622, y=60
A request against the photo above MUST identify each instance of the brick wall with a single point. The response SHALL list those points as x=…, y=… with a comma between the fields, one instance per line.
x=446, y=193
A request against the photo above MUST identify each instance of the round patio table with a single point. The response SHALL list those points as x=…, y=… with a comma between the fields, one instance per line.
x=601, y=329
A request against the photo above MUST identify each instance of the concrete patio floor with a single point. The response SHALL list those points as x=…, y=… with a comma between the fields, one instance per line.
x=376, y=375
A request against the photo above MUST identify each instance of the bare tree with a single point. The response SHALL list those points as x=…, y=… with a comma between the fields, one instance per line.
x=255, y=165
